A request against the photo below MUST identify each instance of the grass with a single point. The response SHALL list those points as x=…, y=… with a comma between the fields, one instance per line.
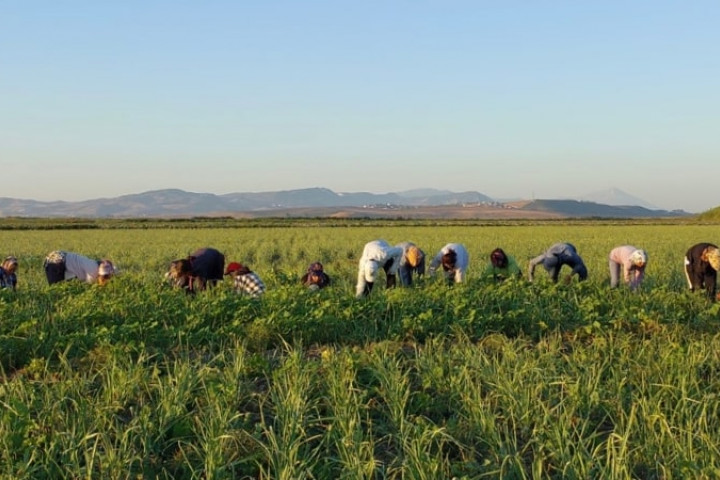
x=480, y=380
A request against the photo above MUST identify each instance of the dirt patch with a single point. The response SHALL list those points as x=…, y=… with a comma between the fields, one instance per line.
x=440, y=212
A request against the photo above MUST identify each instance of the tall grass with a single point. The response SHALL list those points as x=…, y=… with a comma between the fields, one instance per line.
x=480, y=380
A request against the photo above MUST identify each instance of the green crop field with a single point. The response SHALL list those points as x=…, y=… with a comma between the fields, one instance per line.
x=479, y=380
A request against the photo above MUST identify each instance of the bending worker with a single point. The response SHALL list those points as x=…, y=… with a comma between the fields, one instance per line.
x=555, y=257
x=376, y=255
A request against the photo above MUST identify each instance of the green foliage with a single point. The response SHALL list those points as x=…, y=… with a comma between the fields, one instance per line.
x=479, y=380
x=712, y=215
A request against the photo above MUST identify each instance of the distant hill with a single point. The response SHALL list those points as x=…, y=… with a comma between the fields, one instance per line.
x=320, y=202
x=712, y=215
x=175, y=202
x=616, y=197
x=575, y=208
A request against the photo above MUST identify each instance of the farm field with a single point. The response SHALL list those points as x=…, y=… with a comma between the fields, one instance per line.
x=517, y=380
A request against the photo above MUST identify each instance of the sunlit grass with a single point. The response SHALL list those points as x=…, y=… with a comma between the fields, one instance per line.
x=136, y=380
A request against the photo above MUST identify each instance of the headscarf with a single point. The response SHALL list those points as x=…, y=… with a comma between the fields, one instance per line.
x=638, y=257
x=713, y=258
x=413, y=256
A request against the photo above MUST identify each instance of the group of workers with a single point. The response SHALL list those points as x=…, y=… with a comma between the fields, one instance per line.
x=206, y=266
x=702, y=262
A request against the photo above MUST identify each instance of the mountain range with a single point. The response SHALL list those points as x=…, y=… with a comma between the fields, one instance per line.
x=323, y=202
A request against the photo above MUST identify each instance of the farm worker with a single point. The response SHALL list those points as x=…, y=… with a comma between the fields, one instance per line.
x=376, y=255
x=8, y=273
x=632, y=261
x=60, y=265
x=501, y=266
x=202, y=268
x=315, y=277
x=245, y=280
x=454, y=260
x=555, y=257
x=412, y=261
x=702, y=263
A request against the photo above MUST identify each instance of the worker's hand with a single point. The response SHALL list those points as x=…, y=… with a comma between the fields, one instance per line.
x=568, y=280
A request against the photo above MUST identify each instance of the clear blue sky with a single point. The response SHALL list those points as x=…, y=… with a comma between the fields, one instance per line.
x=512, y=99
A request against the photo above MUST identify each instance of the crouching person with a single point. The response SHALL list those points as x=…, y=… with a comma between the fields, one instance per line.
x=245, y=280
x=554, y=258
x=631, y=261
x=315, y=278
x=8, y=273
x=201, y=269
x=502, y=266
x=60, y=265
x=454, y=260
x=412, y=262
x=702, y=263
x=376, y=255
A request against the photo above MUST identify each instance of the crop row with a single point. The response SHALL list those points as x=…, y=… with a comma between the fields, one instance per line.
x=515, y=380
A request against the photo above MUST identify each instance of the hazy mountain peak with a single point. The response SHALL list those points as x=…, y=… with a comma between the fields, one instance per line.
x=616, y=197
x=423, y=192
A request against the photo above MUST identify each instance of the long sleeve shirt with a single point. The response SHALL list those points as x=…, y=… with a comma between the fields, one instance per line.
x=376, y=255
x=632, y=274
x=511, y=270
x=208, y=263
x=406, y=269
x=457, y=273
x=7, y=280
x=81, y=267
x=249, y=284
x=555, y=257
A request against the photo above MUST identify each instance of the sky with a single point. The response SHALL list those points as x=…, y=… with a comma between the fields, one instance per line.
x=513, y=99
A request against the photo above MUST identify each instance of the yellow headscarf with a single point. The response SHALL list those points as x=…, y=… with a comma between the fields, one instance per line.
x=413, y=256
x=713, y=258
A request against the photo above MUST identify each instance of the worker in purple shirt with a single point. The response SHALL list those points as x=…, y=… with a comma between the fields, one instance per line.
x=632, y=261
